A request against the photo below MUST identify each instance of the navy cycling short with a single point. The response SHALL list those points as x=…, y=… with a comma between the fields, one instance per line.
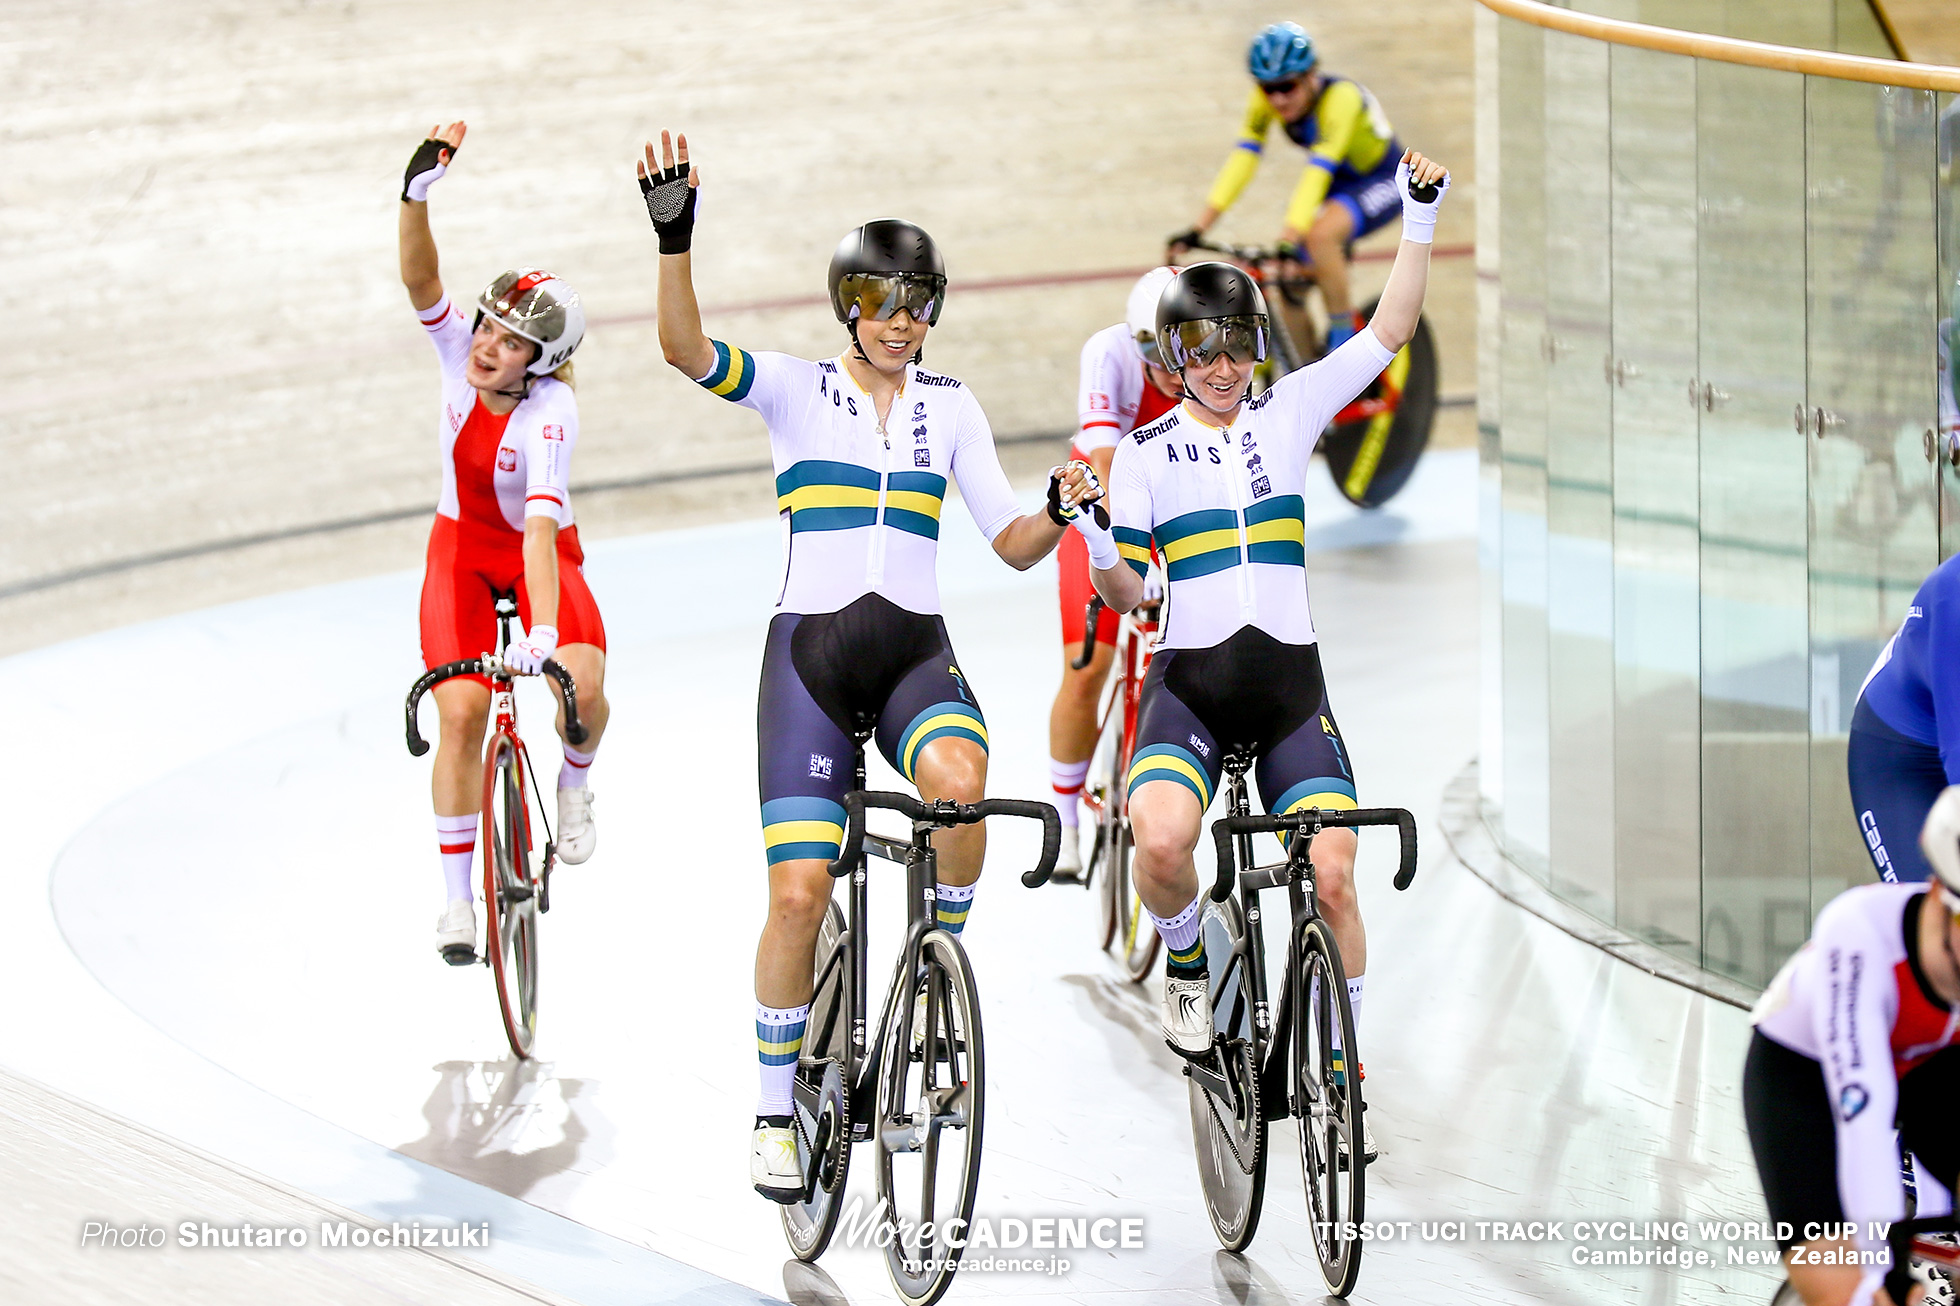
x=1894, y=781
x=1251, y=694
x=873, y=661
x=1370, y=198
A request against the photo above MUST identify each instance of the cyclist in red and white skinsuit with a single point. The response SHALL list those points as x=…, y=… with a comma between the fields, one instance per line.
x=504, y=523
x=1855, y=1054
x=1123, y=387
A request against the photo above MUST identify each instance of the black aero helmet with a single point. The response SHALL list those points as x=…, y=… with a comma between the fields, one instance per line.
x=1211, y=308
x=884, y=266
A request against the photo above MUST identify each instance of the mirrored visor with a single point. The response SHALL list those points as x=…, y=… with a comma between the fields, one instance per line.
x=1199, y=341
x=878, y=295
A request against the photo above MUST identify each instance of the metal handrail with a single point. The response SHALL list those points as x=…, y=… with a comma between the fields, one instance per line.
x=1729, y=49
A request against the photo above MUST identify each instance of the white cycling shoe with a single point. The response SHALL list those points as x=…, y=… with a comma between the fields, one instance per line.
x=456, y=932
x=577, y=835
x=1068, y=861
x=1187, y=1015
x=773, y=1167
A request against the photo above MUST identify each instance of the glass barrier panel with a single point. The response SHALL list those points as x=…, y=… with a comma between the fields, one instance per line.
x=1579, y=470
x=1947, y=347
x=1656, y=497
x=1522, y=133
x=1755, y=641
x=1874, y=534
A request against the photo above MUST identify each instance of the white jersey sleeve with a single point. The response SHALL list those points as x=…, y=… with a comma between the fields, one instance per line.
x=449, y=332
x=1130, y=508
x=976, y=467
x=1110, y=389
x=550, y=429
x=771, y=384
x=1310, y=397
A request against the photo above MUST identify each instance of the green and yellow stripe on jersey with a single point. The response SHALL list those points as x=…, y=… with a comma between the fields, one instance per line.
x=912, y=502
x=1276, y=531
x=828, y=496
x=732, y=375
x=960, y=720
x=1134, y=546
x=1199, y=543
x=797, y=829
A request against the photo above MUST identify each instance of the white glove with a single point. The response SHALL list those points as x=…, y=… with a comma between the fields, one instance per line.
x=1095, y=530
x=526, y=656
x=431, y=160
x=1419, y=216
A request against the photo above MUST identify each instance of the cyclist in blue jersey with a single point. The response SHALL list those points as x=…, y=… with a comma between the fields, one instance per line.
x=1905, y=732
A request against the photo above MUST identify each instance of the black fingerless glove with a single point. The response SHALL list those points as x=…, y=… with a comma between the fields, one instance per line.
x=1056, y=513
x=1190, y=237
x=432, y=159
x=670, y=203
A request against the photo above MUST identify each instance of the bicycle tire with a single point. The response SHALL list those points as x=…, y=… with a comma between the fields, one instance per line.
x=823, y=1126
x=1230, y=1138
x=510, y=893
x=924, y=1095
x=1328, y=1104
x=1373, y=458
x=1109, y=761
x=1138, y=942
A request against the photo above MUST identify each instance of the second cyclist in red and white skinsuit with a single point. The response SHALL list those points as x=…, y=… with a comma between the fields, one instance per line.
x=1123, y=387
x=1857, y=1053
x=503, y=525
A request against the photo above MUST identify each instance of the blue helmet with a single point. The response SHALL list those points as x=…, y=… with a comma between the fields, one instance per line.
x=1281, y=51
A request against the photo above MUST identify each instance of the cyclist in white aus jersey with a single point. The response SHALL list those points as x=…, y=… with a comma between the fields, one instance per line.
x=1854, y=1054
x=1216, y=484
x=864, y=444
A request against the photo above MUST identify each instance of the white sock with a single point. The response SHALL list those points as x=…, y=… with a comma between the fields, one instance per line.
x=456, y=836
x=1181, y=932
x=1354, y=1002
x=571, y=772
x=778, y=1043
x=954, y=902
x=1066, y=778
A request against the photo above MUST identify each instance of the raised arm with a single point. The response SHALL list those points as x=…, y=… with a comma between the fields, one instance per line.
x=420, y=273
x=1395, y=317
x=670, y=187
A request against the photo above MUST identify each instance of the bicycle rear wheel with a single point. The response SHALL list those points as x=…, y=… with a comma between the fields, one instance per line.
x=1321, y=1074
x=1229, y=1129
x=823, y=1129
x=510, y=892
x=1108, y=764
x=931, y=1106
x=1134, y=935
x=1373, y=458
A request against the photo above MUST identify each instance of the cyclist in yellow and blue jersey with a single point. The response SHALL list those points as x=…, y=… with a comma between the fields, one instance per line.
x=865, y=445
x=1348, y=188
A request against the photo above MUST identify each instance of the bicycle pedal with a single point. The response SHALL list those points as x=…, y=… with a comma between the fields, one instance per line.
x=459, y=954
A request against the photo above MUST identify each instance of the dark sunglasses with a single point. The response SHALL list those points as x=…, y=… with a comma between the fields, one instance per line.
x=1286, y=87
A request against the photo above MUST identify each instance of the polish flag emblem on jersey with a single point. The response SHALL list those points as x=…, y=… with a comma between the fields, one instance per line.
x=506, y=459
x=554, y=432
x=1099, y=402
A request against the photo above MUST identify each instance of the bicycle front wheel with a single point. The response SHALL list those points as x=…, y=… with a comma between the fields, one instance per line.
x=1227, y=1123
x=823, y=1127
x=1323, y=1074
x=510, y=892
x=931, y=1106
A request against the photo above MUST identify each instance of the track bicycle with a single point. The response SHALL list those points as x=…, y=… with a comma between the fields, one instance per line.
x=1126, y=929
x=1265, y=1064
x=915, y=1085
x=1373, y=444
x=516, y=881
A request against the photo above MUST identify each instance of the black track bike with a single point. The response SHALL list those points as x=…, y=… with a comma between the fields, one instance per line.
x=1298, y=1059
x=915, y=1083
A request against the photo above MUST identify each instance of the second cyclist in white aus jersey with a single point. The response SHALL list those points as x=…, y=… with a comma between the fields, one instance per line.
x=865, y=446
x=1216, y=484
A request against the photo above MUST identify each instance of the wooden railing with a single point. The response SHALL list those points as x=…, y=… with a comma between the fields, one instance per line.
x=1728, y=49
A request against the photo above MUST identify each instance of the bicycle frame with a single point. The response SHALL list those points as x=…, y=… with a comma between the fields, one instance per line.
x=1136, y=640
